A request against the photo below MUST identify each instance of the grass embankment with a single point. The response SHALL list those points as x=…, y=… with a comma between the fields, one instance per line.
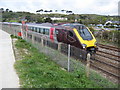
x=36, y=70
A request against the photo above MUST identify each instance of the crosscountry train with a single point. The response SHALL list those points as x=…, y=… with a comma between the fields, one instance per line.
x=74, y=34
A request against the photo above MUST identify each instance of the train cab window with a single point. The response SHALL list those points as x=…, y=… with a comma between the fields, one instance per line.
x=70, y=33
x=84, y=33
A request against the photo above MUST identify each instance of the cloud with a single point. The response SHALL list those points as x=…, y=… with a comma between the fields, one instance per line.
x=104, y=7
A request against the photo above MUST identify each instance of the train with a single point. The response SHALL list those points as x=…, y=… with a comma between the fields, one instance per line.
x=75, y=34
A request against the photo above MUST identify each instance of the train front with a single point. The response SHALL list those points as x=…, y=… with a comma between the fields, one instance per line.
x=86, y=38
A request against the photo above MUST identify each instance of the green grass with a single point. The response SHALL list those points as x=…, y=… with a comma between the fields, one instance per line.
x=37, y=70
x=13, y=21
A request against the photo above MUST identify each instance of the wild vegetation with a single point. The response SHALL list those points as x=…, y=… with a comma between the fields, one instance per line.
x=11, y=16
x=36, y=70
x=107, y=37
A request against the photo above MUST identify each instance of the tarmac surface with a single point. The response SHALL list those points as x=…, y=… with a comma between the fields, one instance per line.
x=8, y=76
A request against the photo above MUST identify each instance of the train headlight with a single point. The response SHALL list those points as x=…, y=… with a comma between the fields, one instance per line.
x=84, y=45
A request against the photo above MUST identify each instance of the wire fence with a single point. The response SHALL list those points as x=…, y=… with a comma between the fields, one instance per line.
x=57, y=51
x=66, y=56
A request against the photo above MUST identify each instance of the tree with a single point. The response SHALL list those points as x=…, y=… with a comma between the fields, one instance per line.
x=10, y=11
x=41, y=10
x=45, y=11
x=56, y=10
x=50, y=11
x=28, y=18
x=48, y=20
x=62, y=10
x=7, y=10
x=2, y=10
x=40, y=20
x=69, y=12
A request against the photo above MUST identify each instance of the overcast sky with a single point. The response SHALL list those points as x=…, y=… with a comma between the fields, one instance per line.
x=102, y=7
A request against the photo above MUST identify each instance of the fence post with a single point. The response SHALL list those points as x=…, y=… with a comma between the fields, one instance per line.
x=113, y=35
x=32, y=38
x=101, y=35
x=68, y=57
x=59, y=46
x=21, y=33
x=14, y=32
x=88, y=65
x=42, y=41
x=26, y=35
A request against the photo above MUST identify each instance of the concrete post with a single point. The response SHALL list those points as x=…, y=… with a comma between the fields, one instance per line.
x=32, y=38
x=26, y=35
x=59, y=46
x=42, y=41
x=88, y=65
x=113, y=36
x=68, y=57
x=21, y=33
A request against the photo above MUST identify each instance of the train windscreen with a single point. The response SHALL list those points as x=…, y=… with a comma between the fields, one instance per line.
x=84, y=33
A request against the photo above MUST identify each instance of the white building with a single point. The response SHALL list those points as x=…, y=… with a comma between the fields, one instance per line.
x=59, y=18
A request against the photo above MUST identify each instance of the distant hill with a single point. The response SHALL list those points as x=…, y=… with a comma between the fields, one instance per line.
x=9, y=16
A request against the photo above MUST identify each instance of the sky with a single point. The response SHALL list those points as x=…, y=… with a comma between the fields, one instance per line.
x=102, y=7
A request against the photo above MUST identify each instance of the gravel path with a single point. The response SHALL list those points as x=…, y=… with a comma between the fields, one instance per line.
x=8, y=76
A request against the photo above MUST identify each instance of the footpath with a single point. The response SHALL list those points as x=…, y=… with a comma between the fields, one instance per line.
x=8, y=76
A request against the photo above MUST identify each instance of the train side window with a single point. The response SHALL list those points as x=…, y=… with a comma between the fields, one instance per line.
x=47, y=31
x=56, y=31
x=39, y=30
x=70, y=33
x=35, y=29
x=29, y=28
x=24, y=27
x=32, y=28
x=43, y=30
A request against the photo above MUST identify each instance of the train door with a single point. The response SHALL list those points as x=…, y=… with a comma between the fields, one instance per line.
x=70, y=37
x=51, y=34
x=55, y=32
x=59, y=35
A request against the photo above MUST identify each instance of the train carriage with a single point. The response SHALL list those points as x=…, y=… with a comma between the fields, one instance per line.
x=75, y=34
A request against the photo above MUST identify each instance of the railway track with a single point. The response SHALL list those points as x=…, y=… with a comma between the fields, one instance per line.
x=108, y=55
x=107, y=61
x=113, y=48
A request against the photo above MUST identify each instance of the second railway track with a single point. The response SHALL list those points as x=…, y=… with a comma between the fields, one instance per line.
x=107, y=60
x=113, y=48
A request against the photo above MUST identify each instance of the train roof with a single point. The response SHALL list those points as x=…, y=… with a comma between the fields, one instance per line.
x=73, y=24
x=13, y=23
x=40, y=24
x=65, y=26
x=69, y=26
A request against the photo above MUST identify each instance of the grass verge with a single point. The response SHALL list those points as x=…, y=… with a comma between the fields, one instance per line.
x=36, y=70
